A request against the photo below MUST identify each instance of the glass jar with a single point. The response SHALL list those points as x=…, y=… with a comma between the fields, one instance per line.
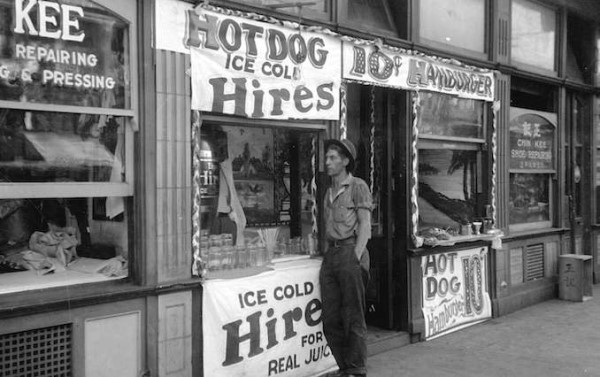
x=215, y=240
x=227, y=239
x=241, y=256
x=252, y=257
x=227, y=257
x=214, y=258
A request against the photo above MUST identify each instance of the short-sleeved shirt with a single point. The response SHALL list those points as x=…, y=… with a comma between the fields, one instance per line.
x=341, y=218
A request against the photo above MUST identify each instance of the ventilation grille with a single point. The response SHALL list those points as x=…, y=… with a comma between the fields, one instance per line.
x=39, y=352
x=535, y=262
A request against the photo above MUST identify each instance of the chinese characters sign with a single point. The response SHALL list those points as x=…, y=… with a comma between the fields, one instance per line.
x=260, y=70
x=56, y=53
x=265, y=325
x=381, y=66
x=455, y=293
x=532, y=140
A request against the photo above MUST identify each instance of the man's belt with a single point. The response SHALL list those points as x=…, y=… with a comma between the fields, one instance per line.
x=345, y=241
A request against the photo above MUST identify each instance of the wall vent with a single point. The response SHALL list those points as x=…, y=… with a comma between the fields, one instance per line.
x=534, y=268
x=39, y=352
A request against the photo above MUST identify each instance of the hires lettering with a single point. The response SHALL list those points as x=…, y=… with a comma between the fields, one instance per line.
x=56, y=21
x=311, y=316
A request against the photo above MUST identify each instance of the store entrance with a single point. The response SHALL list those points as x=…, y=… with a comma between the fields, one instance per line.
x=371, y=113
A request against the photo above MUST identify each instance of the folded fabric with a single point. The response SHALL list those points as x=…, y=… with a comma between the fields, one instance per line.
x=56, y=244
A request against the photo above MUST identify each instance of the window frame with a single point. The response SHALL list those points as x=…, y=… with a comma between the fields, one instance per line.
x=342, y=20
x=453, y=49
x=478, y=145
x=549, y=173
x=126, y=11
x=531, y=67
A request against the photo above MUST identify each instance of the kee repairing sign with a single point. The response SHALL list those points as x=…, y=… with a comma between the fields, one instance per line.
x=261, y=70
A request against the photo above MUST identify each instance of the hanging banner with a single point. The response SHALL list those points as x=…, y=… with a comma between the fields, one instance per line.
x=382, y=66
x=455, y=293
x=265, y=325
x=260, y=70
x=532, y=136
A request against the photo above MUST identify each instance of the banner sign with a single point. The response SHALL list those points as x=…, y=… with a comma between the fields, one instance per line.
x=265, y=325
x=455, y=290
x=381, y=66
x=260, y=70
x=532, y=140
x=67, y=52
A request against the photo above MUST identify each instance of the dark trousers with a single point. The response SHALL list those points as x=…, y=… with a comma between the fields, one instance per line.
x=343, y=281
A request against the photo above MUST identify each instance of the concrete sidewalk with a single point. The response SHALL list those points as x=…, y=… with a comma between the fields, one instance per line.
x=554, y=338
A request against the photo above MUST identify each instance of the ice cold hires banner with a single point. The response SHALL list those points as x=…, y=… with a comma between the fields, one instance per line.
x=265, y=325
x=259, y=70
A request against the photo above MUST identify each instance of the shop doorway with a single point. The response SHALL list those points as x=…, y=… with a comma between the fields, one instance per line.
x=374, y=114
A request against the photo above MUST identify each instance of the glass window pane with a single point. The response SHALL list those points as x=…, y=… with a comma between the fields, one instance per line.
x=533, y=34
x=54, y=242
x=445, y=115
x=61, y=147
x=459, y=23
x=315, y=9
x=375, y=15
x=91, y=72
x=447, y=188
x=529, y=198
x=261, y=174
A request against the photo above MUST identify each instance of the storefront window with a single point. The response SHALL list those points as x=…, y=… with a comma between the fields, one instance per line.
x=373, y=15
x=256, y=195
x=83, y=65
x=449, y=116
x=55, y=241
x=529, y=198
x=531, y=163
x=66, y=143
x=447, y=188
x=533, y=34
x=450, y=175
x=61, y=147
x=317, y=9
x=457, y=23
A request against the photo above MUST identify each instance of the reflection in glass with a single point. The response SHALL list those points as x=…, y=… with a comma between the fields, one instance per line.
x=316, y=9
x=61, y=147
x=529, y=198
x=445, y=115
x=533, y=34
x=459, y=23
x=447, y=188
x=367, y=14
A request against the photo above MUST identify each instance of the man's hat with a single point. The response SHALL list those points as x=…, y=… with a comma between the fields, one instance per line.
x=348, y=149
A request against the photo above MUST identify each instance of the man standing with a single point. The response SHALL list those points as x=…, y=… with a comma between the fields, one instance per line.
x=345, y=269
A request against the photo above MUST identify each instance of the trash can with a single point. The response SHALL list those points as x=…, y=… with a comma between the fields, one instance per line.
x=575, y=277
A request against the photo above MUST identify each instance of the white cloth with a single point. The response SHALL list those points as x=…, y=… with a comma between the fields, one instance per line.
x=228, y=200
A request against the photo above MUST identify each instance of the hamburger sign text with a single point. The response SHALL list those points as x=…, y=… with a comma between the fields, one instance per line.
x=260, y=70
